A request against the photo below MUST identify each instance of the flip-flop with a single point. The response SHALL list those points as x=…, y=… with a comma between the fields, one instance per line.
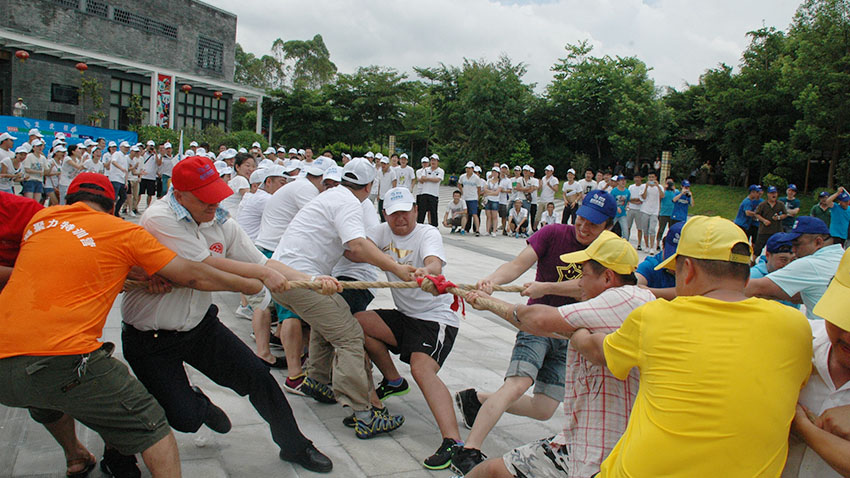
x=90, y=462
x=278, y=363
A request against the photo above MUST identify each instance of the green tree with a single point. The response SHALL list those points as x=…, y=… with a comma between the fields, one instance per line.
x=265, y=72
x=307, y=62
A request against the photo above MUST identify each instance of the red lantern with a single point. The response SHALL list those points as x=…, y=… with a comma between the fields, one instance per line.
x=22, y=55
x=218, y=95
x=186, y=88
x=81, y=66
x=242, y=99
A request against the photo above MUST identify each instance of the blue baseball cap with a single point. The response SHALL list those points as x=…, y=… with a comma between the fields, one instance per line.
x=843, y=197
x=671, y=240
x=823, y=194
x=805, y=225
x=755, y=187
x=686, y=183
x=598, y=206
x=771, y=189
x=778, y=243
x=792, y=187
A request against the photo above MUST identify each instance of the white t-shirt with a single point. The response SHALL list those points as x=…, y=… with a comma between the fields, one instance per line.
x=424, y=241
x=90, y=166
x=149, y=166
x=571, y=191
x=419, y=174
x=281, y=208
x=166, y=166
x=546, y=218
x=518, y=216
x=818, y=396
x=506, y=186
x=652, y=203
x=535, y=183
x=517, y=182
x=635, y=192
x=35, y=163
x=67, y=172
x=183, y=308
x=315, y=239
x=231, y=203
x=51, y=180
x=134, y=175
x=493, y=186
x=114, y=174
x=404, y=177
x=360, y=270
x=547, y=194
x=385, y=181
x=470, y=185
x=6, y=154
x=250, y=212
x=586, y=186
x=433, y=188
x=6, y=184
x=458, y=209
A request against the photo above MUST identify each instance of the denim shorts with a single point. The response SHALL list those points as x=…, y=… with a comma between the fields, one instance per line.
x=33, y=187
x=472, y=207
x=542, y=359
x=491, y=206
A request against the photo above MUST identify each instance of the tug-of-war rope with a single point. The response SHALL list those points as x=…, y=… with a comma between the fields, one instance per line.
x=433, y=285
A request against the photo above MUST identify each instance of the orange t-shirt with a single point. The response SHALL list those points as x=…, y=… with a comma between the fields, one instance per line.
x=72, y=264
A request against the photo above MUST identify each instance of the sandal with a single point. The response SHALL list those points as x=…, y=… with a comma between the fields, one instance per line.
x=89, y=463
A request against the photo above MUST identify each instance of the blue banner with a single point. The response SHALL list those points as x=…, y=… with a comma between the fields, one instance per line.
x=19, y=127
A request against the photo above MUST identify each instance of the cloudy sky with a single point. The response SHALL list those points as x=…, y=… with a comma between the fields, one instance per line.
x=678, y=39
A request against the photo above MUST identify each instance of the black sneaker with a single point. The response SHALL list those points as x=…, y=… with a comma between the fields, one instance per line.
x=468, y=405
x=442, y=458
x=639, y=248
x=319, y=391
x=385, y=390
x=118, y=465
x=465, y=459
x=216, y=420
x=379, y=422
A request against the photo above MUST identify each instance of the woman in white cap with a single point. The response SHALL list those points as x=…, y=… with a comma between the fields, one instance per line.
x=243, y=166
x=34, y=165
x=11, y=170
x=69, y=167
x=51, y=176
x=492, y=191
x=94, y=163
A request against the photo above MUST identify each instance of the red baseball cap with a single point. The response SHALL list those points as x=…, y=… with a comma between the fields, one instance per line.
x=92, y=183
x=197, y=175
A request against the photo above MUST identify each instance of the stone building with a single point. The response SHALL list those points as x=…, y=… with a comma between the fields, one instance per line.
x=172, y=59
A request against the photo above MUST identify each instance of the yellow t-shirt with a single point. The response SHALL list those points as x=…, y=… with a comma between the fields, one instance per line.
x=718, y=386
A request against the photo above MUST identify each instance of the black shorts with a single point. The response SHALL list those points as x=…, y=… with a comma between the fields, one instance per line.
x=416, y=335
x=147, y=186
x=503, y=210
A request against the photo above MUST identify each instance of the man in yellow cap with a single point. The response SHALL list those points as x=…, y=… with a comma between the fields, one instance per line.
x=596, y=403
x=816, y=448
x=719, y=372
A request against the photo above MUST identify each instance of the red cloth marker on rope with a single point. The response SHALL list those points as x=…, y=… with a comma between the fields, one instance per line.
x=442, y=285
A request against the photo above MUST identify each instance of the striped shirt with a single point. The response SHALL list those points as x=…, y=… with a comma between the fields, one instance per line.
x=597, y=404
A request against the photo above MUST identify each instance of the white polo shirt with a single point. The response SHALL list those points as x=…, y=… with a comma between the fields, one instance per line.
x=250, y=213
x=315, y=239
x=114, y=174
x=430, y=187
x=183, y=308
x=281, y=208
x=149, y=166
x=385, y=181
x=547, y=194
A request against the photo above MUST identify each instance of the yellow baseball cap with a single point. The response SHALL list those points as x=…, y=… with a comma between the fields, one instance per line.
x=710, y=238
x=835, y=303
x=610, y=250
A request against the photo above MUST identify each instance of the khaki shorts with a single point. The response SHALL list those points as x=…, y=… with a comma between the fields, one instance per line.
x=95, y=389
x=538, y=459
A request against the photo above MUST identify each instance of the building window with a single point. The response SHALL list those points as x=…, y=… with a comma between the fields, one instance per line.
x=96, y=8
x=210, y=54
x=68, y=3
x=61, y=117
x=67, y=94
x=198, y=111
x=144, y=23
x=120, y=92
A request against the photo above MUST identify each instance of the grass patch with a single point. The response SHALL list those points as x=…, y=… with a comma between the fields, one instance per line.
x=714, y=200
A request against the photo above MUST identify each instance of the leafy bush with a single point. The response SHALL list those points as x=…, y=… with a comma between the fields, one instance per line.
x=684, y=161
x=771, y=179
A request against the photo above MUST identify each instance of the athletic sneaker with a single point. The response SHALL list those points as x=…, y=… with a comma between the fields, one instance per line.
x=118, y=465
x=477, y=234
x=244, y=312
x=295, y=385
x=468, y=405
x=442, y=458
x=378, y=423
x=465, y=459
x=462, y=232
x=385, y=390
x=639, y=248
x=349, y=420
x=318, y=391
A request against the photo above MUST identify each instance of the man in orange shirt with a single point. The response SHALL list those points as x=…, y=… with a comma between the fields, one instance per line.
x=51, y=361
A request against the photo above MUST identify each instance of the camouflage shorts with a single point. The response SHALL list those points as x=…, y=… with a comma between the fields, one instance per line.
x=538, y=459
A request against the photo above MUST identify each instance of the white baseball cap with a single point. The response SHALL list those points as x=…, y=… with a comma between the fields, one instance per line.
x=313, y=169
x=503, y=165
x=5, y=136
x=222, y=168
x=549, y=167
x=59, y=135
x=333, y=173
x=88, y=143
x=60, y=149
x=124, y=144
x=470, y=164
x=112, y=144
x=477, y=169
x=132, y=148
x=435, y=156
x=302, y=152
x=24, y=148
x=571, y=170
x=151, y=142
x=292, y=166
x=517, y=168
x=211, y=155
x=167, y=145
x=398, y=199
x=359, y=171
x=193, y=144
x=36, y=132
x=201, y=152
x=526, y=167
x=293, y=151
x=256, y=144
x=258, y=176
x=228, y=153
x=370, y=154
x=403, y=155
x=37, y=142
x=425, y=159
x=281, y=150
x=274, y=171
x=270, y=150
x=241, y=150
x=385, y=160
x=496, y=170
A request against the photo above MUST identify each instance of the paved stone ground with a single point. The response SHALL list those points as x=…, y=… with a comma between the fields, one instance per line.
x=479, y=359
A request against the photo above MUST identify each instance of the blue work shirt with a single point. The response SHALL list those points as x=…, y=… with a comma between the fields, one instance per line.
x=742, y=219
x=656, y=279
x=667, y=202
x=839, y=221
x=680, y=208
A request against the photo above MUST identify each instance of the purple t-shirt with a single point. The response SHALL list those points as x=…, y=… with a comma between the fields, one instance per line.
x=549, y=243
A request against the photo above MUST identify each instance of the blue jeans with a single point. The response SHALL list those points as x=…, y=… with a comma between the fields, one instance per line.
x=542, y=359
x=120, y=196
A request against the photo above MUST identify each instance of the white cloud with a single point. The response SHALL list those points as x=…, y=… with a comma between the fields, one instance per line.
x=678, y=39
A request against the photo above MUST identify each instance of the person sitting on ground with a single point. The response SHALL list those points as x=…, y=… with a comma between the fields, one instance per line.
x=662, y=282
x=422, y=328
x=548, y=216
x=816, y=451
x=717, y=391
x=518, y=220
x=455, y=217
x=161, y=332
x=806, y=278
x=596, y=404
x=779, y=253
x=538, y=361
x=62, y=374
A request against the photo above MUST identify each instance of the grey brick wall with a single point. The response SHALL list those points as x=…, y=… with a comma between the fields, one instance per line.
x=57, y=22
